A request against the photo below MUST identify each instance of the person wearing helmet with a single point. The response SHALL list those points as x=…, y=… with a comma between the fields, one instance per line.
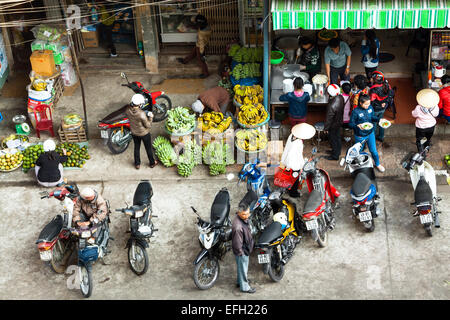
x=292, y=158
x=425, y=113
x=215, y=99
x=140, y=125
x=203, y=35
x=90, y=207
x=334, y=119
x=49, y=168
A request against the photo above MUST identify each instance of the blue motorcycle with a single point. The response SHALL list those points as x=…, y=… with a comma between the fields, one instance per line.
x=258, y=191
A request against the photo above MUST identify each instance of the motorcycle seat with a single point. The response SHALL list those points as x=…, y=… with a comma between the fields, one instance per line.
x=250, y=198
x=220, y=208
x=361, y=184
x=143, y=193
x=270, y=234
x=423, y=192
x=51, y=230
x=115, y=116
x=314, y=200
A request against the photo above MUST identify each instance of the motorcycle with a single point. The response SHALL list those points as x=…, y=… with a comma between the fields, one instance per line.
x=318, y=212
x=54, y=241
x=215, y=241
x=257, y=183
x=115, y=127
x=141, y=227
x=424, y=183
x=364, y=189
x=92, y=244
x=278, y=240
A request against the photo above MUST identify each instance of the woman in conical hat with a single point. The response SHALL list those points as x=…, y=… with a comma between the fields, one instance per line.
x=292, y=157
x=425, y=113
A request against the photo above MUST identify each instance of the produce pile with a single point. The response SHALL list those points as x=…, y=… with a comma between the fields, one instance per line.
x=447, y=159
x=213, y=122
x=192, y=156
x=225, y=83
x=251, y=115
x=244, y=54
x=217, y=155
x=20, y=137
x=164, y=151
x=248, y=70
x=180, y=120
x=251, y=140
x=9, y=162
x=248, y=94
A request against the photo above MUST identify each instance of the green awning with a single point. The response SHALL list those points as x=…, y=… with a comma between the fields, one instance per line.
x=360, y=14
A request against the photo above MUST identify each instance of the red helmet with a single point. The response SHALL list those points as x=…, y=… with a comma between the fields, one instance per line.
x=378, y=75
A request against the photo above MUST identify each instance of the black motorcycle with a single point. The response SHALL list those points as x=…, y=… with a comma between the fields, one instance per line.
x=141, y=227
x=215, y=241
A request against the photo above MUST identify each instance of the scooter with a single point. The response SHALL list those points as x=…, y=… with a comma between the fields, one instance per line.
x=215, y=241
x=256, y=183
x=279, y=239
x=115, y=127
x=424, y=183
x=318, y=212
x=141, y=227
x=364, y=190
x=54, y=242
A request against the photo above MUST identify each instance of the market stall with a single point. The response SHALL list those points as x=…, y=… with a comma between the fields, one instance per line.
x=438, y=58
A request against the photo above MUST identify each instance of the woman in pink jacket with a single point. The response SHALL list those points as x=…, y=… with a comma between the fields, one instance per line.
x=425, y=114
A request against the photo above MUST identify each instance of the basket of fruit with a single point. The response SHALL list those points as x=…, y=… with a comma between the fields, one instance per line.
x=180, y=122
x=10, y=159
x=214, y=122
x=252, y=116
x=16, y=139
x=251, y=141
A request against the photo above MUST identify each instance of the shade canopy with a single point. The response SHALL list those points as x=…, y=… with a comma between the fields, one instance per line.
x=360, y=14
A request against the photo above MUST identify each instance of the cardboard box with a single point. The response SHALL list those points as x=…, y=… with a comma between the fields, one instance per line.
x=90, y=39
x=274, y=151
x=43, y=63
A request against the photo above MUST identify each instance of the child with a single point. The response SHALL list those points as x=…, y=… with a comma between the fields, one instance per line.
x=298, y=100
x=360, y=87
x=425, y=113
x=346, y=92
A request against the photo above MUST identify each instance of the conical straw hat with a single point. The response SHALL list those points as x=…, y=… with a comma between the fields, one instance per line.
x=427, y=98
x=303, y=131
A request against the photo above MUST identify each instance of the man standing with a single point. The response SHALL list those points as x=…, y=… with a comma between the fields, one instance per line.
x=310, y=61
x=216, y=99
x=107, y=18
x=334, y=118
x=242, y=244
x=337, y=60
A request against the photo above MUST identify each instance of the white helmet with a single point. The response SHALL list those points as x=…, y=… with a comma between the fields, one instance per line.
x=333, y=90
x=49, y=145
x=281, y=218
x=197, y=106
x=137, y=100
x=88, y=194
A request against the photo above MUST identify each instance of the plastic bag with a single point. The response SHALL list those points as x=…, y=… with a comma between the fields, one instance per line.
x=283, y=178
x=68, y=74
x=46, y=32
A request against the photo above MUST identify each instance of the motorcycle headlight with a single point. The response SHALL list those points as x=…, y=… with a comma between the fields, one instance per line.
x=138, y=213
x=86, y=234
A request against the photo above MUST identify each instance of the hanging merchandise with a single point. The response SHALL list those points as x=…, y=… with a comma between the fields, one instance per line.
x=68, y=74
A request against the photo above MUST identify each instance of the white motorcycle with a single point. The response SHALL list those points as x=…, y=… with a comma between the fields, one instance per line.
x=424, y=183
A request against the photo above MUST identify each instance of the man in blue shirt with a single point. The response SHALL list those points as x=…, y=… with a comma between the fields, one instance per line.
x=337, y=60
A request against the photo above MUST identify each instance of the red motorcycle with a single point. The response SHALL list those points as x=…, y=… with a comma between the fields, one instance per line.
x=54, y=242
x=318, y=212
x=115, y=127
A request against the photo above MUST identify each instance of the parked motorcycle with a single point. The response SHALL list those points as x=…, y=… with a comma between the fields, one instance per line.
x=364, y=190
x=141, y=227
x=54, y=242
x=258, y=185
x=279, y=239
x=424, y=183
x=215, y=241
x=318, y=212
x=115, y=127
x=92, y=245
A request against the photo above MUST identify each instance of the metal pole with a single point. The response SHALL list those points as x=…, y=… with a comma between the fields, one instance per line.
x=266, y=64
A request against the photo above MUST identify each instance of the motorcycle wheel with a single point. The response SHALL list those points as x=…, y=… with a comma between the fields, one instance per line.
x=140, y=265
x=163, y=105
x=116, y=134
x=86, y=284
x=59, y=261
x=370, y=225
x=428, y=230
x=206, y=273
x=322, y=234
x=276, y=268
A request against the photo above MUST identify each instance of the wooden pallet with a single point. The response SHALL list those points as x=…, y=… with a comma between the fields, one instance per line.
x=72, y=136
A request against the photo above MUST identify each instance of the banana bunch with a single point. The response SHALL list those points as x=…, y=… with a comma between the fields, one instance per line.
x=185, y=165
x=164, y=151
x=248, y=94
x=251, y=140
x=213, y=122
x=252, y=114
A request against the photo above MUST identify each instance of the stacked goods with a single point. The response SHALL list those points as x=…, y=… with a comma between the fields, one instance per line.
x=251, y=140
x=10, y=161
x=71, y=121
x=164, y=151
x=248, y=94
x=180, y=121
x=252, y=115
x=248, y=70
x=192, y=155
x=213, y=122
x=244, y=54
x=217, y=155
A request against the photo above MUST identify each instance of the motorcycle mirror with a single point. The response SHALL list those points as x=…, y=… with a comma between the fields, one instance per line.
x=230, y=176
x=123, y=75
x=341, y=163
x=314, y=150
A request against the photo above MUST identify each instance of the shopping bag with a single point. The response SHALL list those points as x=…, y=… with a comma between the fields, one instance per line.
x=283, y=178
